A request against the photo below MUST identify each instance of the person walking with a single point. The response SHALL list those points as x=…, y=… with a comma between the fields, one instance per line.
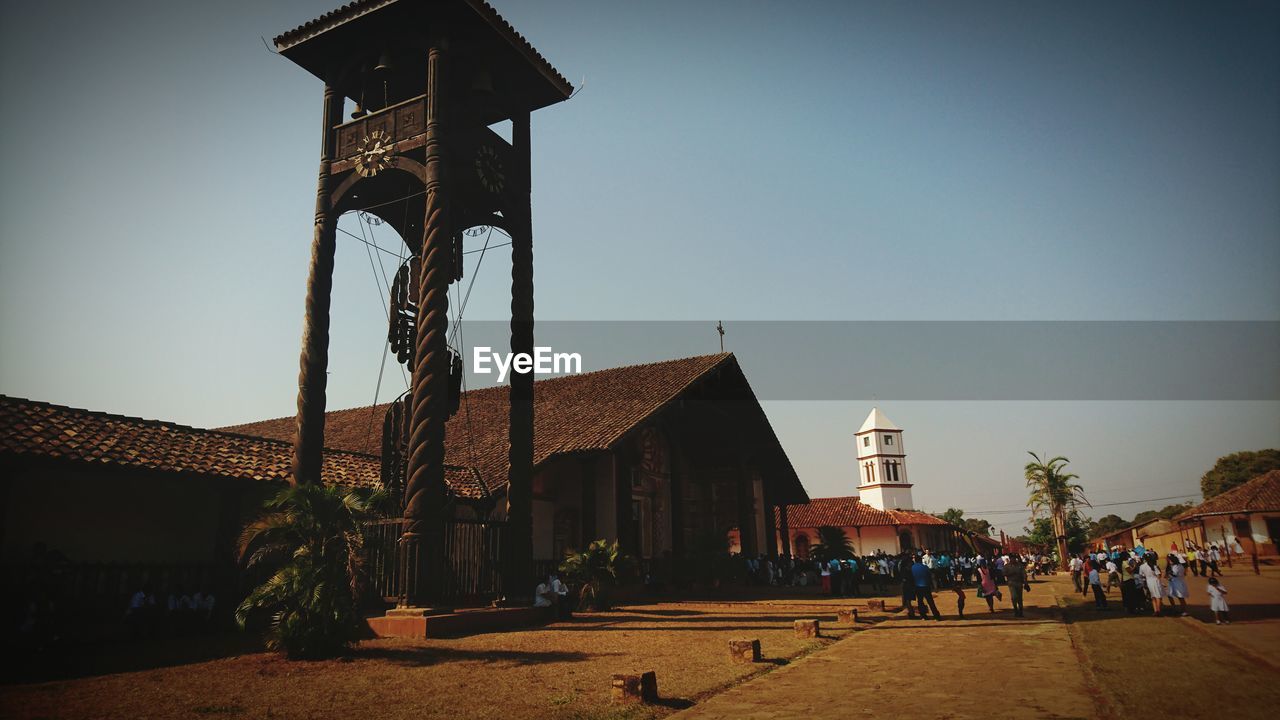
x=1113, y=574
x=1218, y=602
x=1015, y=573
x=1214, y=558
x=1177, y=574
x=1085, y=566
x=1150, y=573
x=908, y=584
x=987, y=586
x=922, y=575
x=1095, y=583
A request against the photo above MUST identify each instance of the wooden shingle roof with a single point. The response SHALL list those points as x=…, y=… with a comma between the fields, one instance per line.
x=590, y=412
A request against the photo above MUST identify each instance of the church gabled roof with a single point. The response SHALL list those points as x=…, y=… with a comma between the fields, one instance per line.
x=590, y=412
x=877, y=421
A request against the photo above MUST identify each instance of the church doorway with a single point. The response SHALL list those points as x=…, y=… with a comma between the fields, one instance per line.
x=802, y=546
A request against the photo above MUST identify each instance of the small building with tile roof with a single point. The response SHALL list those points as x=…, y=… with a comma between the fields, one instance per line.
x=101, y=487
x=1248, y=514
x=870, y=529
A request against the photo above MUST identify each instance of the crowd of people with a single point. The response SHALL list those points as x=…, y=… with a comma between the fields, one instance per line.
x=917, y=574
x=1148, y=586
x=178, y=613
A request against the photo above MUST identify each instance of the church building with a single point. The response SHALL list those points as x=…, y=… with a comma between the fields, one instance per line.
x=881, y=517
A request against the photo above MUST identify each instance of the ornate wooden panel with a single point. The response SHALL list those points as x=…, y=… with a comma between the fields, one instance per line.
x=401, y=122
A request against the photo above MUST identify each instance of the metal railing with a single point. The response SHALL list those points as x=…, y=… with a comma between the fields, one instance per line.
x=466, y=570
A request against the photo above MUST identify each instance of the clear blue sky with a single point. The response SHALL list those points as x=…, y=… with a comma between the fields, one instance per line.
x=723, y=160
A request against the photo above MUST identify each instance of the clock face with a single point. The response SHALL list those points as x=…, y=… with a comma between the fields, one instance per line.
x=374, y=154
x=489, y=170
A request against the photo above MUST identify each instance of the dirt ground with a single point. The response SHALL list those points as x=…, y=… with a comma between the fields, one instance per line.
x=562, y=670
x=989, y=665
x=1063, y=660
x=1186, y=666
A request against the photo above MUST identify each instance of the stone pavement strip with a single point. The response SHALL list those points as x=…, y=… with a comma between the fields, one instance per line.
x=986, y=666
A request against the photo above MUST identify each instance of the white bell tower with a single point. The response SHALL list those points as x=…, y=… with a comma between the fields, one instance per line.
x=882, y=464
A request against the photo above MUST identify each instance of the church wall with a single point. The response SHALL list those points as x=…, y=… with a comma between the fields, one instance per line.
x=108, y=515
x=544, y=512
x=606, y=519
x=875, y=539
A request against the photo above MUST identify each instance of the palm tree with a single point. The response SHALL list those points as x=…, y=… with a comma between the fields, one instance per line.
x=595, y=569
x=311, y=537
x=833, y=544
x=1054, y=494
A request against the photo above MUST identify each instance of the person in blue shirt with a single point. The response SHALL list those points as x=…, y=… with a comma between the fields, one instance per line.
x=923, y=580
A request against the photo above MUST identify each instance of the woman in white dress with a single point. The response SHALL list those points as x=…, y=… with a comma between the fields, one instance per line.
x=1150, y=573
x=1218, y=602
x=1177, y=573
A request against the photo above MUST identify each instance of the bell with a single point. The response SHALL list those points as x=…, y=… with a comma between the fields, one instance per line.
x=384, y=63
x=482, y=83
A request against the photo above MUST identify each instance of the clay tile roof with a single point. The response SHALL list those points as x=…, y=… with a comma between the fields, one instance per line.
x=915, y=517
x=589, y=412
x=851, y=512
x=1261, y=494
x=29, y=428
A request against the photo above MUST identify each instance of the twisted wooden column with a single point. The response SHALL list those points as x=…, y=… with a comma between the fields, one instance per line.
x=424, y=490
x=517, y=582
x=308, y=442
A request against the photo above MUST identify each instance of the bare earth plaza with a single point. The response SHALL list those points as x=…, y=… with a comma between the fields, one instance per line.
x=996, y=432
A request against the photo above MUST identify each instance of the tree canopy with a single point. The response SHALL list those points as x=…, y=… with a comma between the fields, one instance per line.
x=1106, y=525
x=1041, y=534
x=956, y=517
x=1238, y=469
x=1165, y=513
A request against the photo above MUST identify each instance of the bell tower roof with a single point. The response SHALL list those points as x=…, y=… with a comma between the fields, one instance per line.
x=877, y=421
x=517, y=77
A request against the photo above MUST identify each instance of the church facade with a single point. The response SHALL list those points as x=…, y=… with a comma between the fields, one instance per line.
x=882, y=516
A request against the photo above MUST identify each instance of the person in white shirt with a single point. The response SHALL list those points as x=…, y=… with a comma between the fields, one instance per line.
x=1218, y=602
x=1076, y=565
x=1150, y=573
x=545, y=594
x=1214, y=558
x=563, y=609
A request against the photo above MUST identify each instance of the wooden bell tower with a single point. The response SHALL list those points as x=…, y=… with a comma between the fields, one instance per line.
x=426, y=79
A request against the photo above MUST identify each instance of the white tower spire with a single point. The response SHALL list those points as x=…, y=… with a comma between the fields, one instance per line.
x=882, y=464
